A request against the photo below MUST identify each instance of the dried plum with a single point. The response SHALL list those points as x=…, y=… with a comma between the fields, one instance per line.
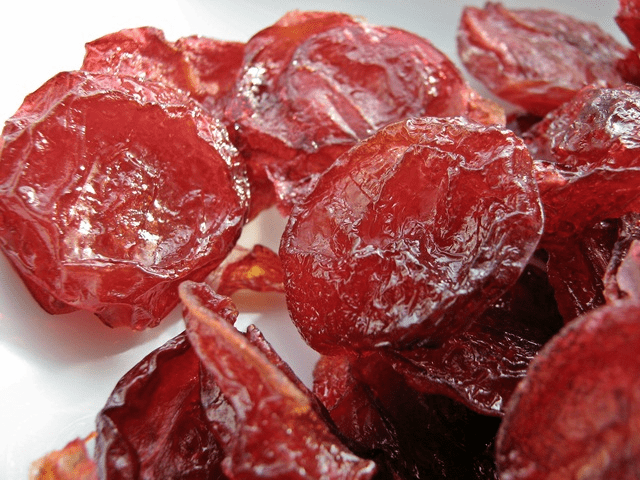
x=536, y=59
x=410, y=235
x=279, y=433
x=315, y=83
x=112, y=191
x=154, y=425
x=575, y=415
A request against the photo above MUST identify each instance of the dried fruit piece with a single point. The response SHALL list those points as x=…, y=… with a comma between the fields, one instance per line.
x=622, y=277
x=576, y=413
x=112, y=191
x=154, y=425
x=588, y=145
x=315, y=83
x=257, y=269
x=481, y=366
x=536, y=59
x=410, y=435
x=73, y=462
x=204, y=67
x=410, y=235
x=628, y=19
x=279, y=433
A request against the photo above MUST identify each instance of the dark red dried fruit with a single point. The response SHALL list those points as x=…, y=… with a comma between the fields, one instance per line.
x=154, y=425
x=628, y=19
x=622, y=277
x=410, y=435
x=315, y=83
x=279, y=433
x=536, y=59
x=481, y=366
x=258, y=269
x=588, y=145
x=576, y=414
x=112, y=191
x=410, y=235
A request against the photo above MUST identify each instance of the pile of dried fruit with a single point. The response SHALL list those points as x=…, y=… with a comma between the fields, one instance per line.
x=477, y=308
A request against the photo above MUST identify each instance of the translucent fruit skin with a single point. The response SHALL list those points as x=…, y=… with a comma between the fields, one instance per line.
x=576, y=413
x=537, y=59
x=410, y=235
x=315, y=83
x=112, y=191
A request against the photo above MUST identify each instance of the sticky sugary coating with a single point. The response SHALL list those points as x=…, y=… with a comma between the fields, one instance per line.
x=410, y=235
x=112, y=191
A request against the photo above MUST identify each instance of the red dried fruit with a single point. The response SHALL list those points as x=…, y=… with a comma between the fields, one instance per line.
x=154, y=425
x=73, y=462
x=257, y=269
x=622, y=277
x=588, y=145
x=315, y=83
x=628, y=19
x=536, y=59
x=279, y=433
x=204, y=67
x=481, y=366
x=410, y=235
x=112, y=191
x=576, y=413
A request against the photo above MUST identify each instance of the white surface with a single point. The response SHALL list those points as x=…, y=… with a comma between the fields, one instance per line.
x=57, y=372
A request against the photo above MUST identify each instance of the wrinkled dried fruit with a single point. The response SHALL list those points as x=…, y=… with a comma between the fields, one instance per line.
x=590, y=144
x=410, y=235
x=536, y=59
x=410, y=435
x=315, y=83
x=154, y=425
x=279, y=433
x=622, y=277
x=204, y=67
x=576, y=413
x=112, y=191
x=481, y=366
x=257, y=269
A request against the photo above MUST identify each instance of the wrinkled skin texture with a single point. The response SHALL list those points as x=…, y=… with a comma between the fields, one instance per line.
x=109, y=216
x=590, y=144
x=410, y=435
x=482, y=365
x=154, y=425
x=279, y=433
x=410, y=235
x=204, y=67
x=258, y=269
x=628, y=19
x=73, y=462
x=536, y=59
x=576, y=413
x=622, y=277
x=315, y=83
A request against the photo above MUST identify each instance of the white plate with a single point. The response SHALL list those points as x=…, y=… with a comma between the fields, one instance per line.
x=57, y=372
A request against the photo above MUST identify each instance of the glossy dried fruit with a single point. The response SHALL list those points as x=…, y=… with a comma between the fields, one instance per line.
x=576, y=414
x=279, y=433
x=482, y=365
x=154, y=425
x=204, y=67
x=588, y=145
x=315, y=83
x=112, y=191
x=410, y=435
x=622, y=277
x=410, y=235
x=536, y=59
x=258, y=269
